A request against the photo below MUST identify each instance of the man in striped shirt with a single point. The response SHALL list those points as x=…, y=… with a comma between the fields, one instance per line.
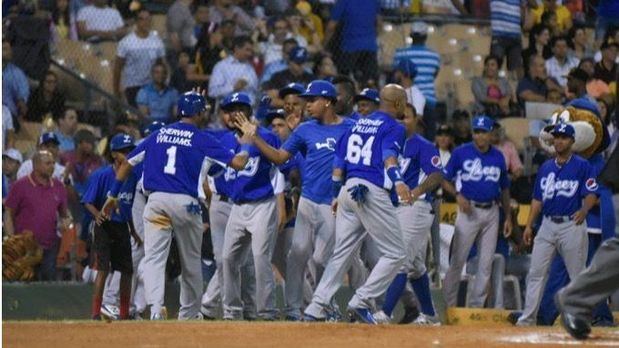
x=505, y=19
x=428, y=64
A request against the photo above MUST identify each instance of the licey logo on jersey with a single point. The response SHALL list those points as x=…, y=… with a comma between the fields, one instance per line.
x=328, y=144
x=251, y=168
x=474, y=171
x=591, y=184
x=436, y=162
x=554, y=188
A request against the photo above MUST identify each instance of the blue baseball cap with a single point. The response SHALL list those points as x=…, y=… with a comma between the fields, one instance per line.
x=121, y=141
x=237, y=98
x=191, y=104
x=482, y=122
x=153, y=127
x=298, y=55
x=275, y=113
x=320, y=88
x=407, y=67
x=563, y=129
x=368, y=94
x=291, y=88
x=48, y=137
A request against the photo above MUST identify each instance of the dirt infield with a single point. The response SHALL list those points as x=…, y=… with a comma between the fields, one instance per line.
x=296, y=335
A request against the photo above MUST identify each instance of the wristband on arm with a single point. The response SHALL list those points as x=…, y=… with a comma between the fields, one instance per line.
x=245, y=148
x=393, y=173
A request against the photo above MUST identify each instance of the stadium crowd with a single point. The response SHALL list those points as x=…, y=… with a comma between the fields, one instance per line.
x=271, y=50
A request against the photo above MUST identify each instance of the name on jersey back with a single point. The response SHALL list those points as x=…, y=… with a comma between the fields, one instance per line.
x=174, y=136
x=367, y=126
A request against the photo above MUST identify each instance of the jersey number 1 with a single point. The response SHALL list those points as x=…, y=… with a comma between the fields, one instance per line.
x=356, y=150
x=170, y=167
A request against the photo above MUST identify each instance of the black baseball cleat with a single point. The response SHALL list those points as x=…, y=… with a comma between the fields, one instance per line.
x=410, y=314
x=576, y=327
x=312, y=319
x=513, y=317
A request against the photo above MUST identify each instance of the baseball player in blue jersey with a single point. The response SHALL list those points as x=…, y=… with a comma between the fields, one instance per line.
x=111, y=237
x=421, y=168
x=220, y=205
x=367, y=102
x=480, y=176
x=316, y=140
x=253, y=219
x=294, y=105
x=564, y=192
x=173, y=158
x=365, y=170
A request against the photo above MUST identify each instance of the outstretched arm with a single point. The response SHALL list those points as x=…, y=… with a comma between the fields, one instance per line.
x=277, y=156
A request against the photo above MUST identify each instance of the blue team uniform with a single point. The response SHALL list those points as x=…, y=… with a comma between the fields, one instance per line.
x=173, y=158
x=316, y=142
x=479, y=177
x=362, y=150
x=419, y=159
x=100, y=183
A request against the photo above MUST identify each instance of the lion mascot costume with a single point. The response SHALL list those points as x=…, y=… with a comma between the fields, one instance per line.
x=590, y=140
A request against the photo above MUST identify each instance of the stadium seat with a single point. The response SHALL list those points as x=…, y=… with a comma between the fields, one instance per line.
x=516, y=129
x=159, y=24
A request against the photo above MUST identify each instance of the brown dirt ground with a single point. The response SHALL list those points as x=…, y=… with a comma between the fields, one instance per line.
x=280, y=334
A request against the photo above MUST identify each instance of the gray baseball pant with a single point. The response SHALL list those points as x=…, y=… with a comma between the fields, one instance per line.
x=481, y=226
x=314, y=235
x=250, y=226
x=377, y=217
x=138, y=301
x=594, y=284
x=571, y=241
x=166, y=213
x=219, y=212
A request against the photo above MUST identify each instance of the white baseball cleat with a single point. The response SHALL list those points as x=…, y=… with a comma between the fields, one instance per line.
x=382, y=318
x=110, y=312
x=426, y=320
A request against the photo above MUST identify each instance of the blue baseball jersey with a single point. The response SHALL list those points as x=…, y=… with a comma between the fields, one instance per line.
x=363, y=149
x=222, y=186
x=100, y=183
x=317, y=143
x=173, y=158
x=256, y=181
x=594, y=217
x=419, y=159
x=562, y=188
x=478, y=176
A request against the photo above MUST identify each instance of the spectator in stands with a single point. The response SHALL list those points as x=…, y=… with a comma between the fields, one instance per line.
x=63, y=22
x=136, y=54
x=324, y=67
x=11, y=160
x=99, y=21
x=549, y=20
x=560, y=64
x=180, y=76
x=311, y=28
x=34, y=204
x=595, y=87
x=612, y=35
x=506, y=34
x=46, y=101
x=67, y=126
x=278, y=32
x=579, y=43
x=577, y=85
x=295, y=73
x=359, y=21
x=157, y=101
x=554, y=97
x=428, y=64
x=404, y=75
x=607, y=17
x=235, y=73
x=346, y=92
x=606, y=69
x=47, y=142
x=493, y=93
x=538, y=45
x=296, y=22
x=82, y=161
x=15, y=87
x=508, y=149
x=535, y=86
x=214, y=44
x=280, y=64
x=564, y=17
x=462, y=127
x=8, y=130
x=225, y=10
x=180, y=26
